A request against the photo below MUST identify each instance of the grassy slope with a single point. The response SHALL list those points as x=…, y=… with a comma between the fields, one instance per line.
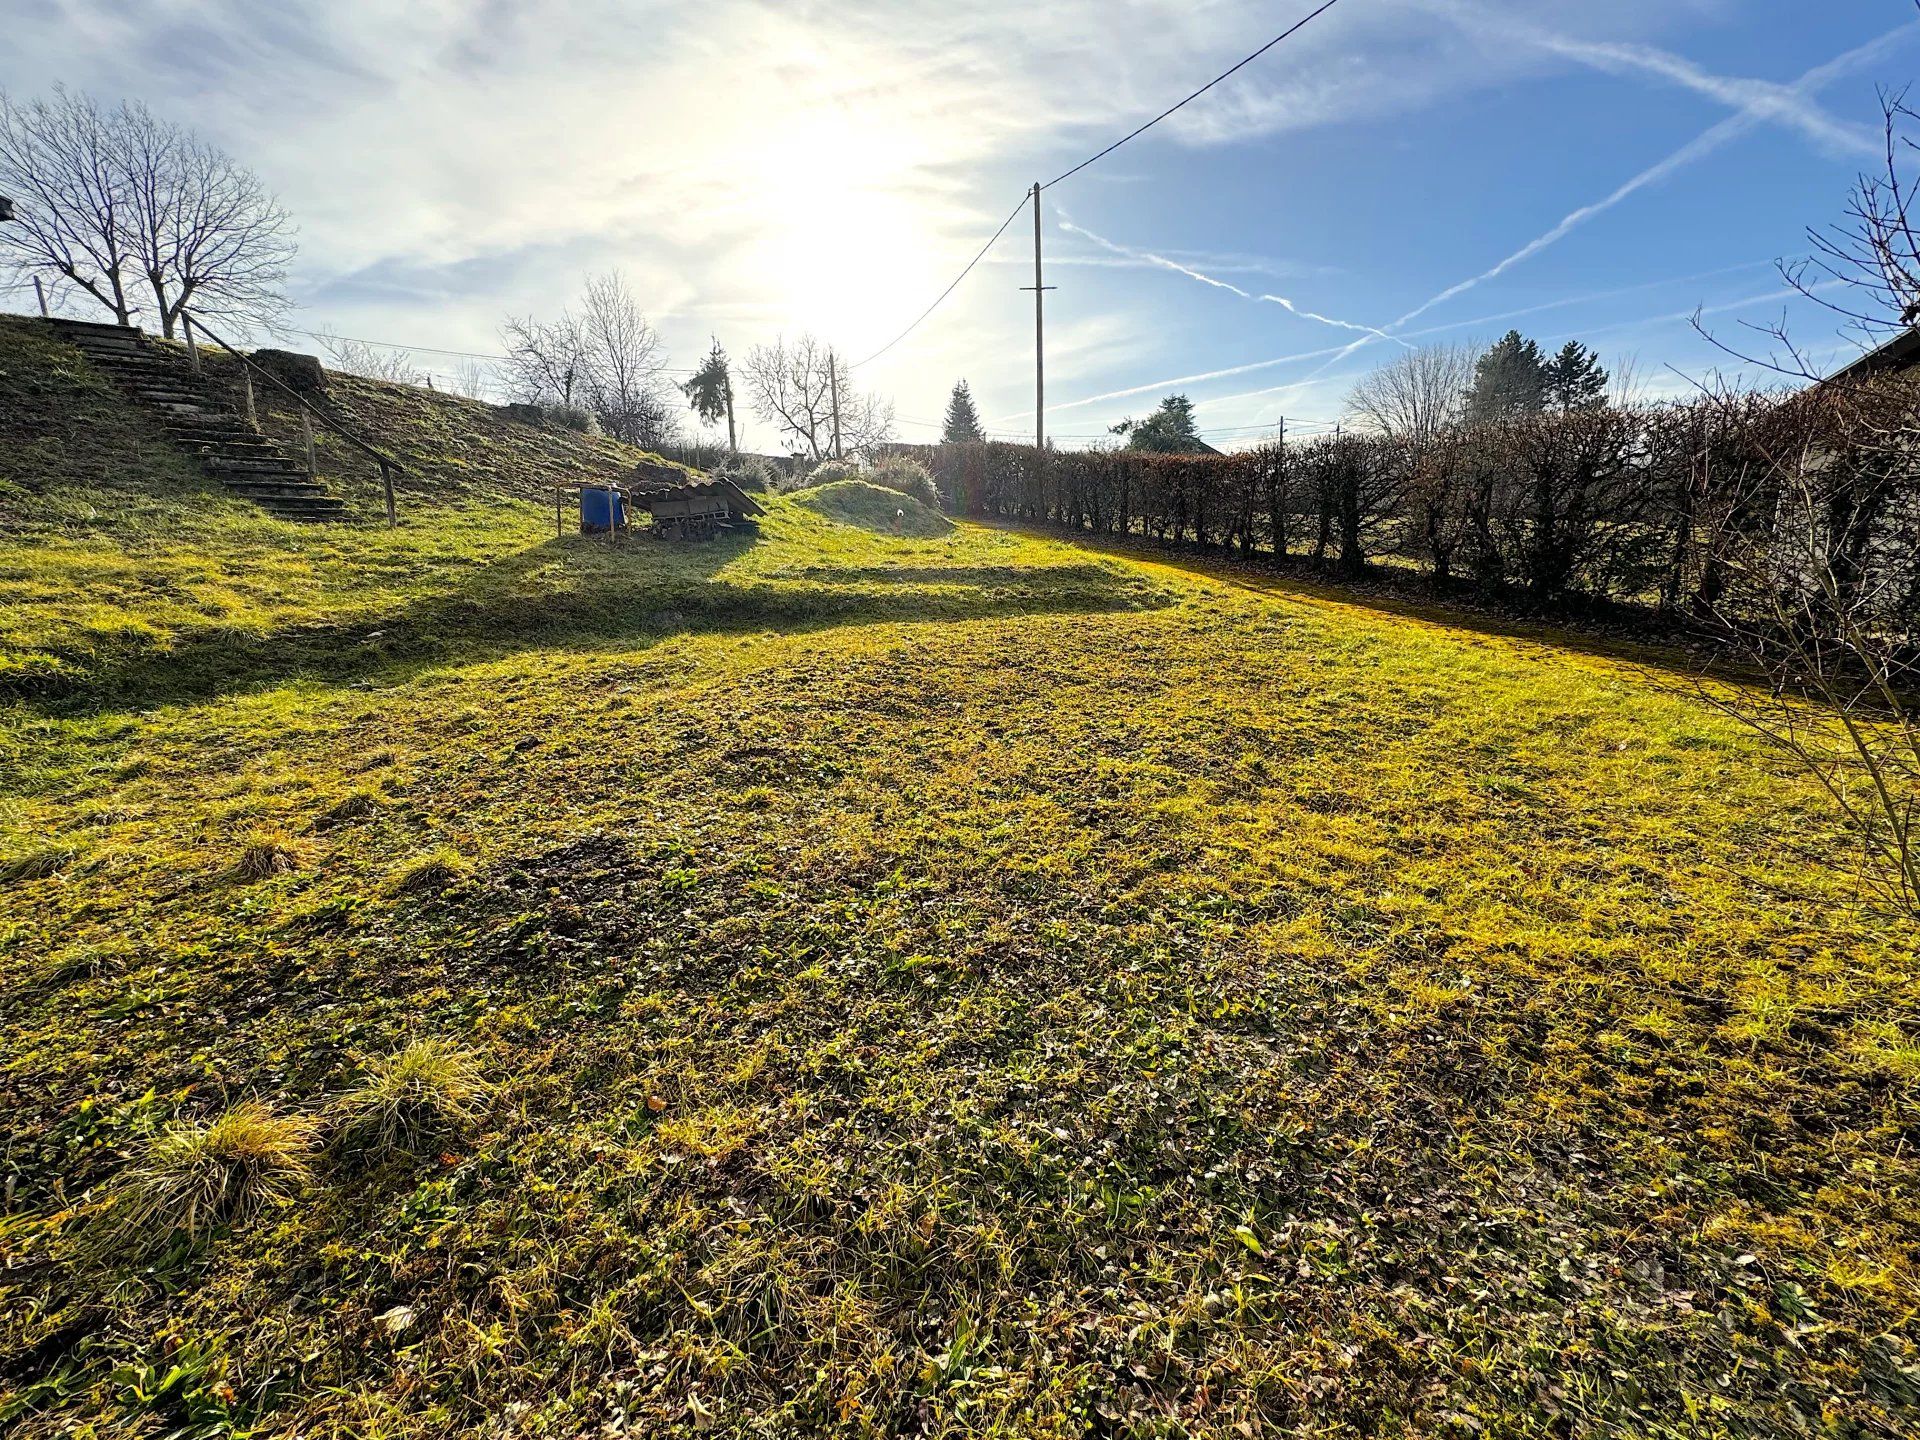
x=964, y=984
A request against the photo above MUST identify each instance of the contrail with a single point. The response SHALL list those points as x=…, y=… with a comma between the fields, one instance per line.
x=1205, y=375
x=1786, y=104
x=1282, y=301
x=1702, y=144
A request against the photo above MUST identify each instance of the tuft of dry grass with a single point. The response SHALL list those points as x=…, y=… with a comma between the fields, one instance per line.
x=357, y=805
x=197, y=1176
x=266, y=855
x=411, y=1100
x=430, y=873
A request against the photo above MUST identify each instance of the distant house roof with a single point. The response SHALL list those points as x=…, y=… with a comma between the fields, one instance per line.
x=1902, y=352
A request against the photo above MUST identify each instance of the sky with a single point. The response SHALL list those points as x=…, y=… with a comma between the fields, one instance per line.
x=1402, y=172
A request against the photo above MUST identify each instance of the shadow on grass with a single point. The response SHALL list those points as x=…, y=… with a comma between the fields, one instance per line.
x=977, y=576
x=639, y=596
x=1621, y=635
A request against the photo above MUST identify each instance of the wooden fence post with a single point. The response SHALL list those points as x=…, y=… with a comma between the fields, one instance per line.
x=386, y=479
x=246, y=381
x=193, y=345
x=306, y=434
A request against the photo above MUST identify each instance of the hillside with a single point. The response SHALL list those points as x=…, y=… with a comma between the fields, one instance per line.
x=856, y=983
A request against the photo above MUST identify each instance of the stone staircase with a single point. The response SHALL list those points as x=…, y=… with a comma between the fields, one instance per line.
x=199, y=415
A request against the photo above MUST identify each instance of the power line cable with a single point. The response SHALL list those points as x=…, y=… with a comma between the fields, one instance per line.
x=325, y=335
x=1290, y=31
x=1285, y=34
x=949, y=290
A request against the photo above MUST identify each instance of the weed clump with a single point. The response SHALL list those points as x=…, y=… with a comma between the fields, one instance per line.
x=411, y=1100
x=194, y=1177
x=359, y=805
x=430, y=873
x=265, y=856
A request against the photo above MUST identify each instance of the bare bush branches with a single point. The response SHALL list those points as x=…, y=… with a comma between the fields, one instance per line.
x=372, y=362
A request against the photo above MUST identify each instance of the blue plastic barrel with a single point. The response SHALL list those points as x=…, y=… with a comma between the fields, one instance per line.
x=601, y=510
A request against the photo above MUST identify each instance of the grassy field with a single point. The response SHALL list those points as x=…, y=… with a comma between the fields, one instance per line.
x=833, y=982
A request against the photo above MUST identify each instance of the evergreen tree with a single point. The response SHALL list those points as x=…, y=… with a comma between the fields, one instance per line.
x=710, y=391
x=1511, y=377
x=1575, y=379
x=963, y=421
x=1170, y=430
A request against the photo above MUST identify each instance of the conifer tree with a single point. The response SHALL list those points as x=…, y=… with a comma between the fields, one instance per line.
x=1511, y=377
x=963, y=421
x=1575, y=379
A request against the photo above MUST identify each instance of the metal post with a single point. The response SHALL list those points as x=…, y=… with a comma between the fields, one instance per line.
x=193, y=350
x=386, y=479
x=246, y=382
x=833, y=384
x=306, y=434
x=41, y=292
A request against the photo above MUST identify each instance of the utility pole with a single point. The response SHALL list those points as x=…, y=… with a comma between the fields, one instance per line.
x=1039, y=288
x=733, y=447
x=833, y=386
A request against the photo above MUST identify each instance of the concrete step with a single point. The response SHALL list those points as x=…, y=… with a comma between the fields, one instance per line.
x=225, y=465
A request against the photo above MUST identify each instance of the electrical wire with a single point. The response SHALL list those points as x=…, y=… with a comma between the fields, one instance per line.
x=1285, y=34
x=1290, y=31
x=948, y=291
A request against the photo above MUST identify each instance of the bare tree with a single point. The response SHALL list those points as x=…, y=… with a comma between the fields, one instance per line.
x=1832, y=635
x=1416, y=395
x=58, y=159
x=622, y=359
x=1417, y=401
x=118, y=199
x=605, y=358
x=792, y=386
x=546, y=360
x=203, y=228
x=472, y=379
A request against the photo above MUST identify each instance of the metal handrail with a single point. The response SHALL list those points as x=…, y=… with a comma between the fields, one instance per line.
x=386, y=462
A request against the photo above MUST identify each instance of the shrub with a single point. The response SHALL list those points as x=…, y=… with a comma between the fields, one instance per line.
x=197, y=1176
x=827, y=472
x=749, y=472
x=411, y=1100
x=909, y=477
x=554, y=416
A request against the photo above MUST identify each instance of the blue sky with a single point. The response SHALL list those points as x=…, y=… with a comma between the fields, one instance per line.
x=757, y=169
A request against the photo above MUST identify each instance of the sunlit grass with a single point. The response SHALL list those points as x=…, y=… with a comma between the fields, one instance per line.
x=965, y=985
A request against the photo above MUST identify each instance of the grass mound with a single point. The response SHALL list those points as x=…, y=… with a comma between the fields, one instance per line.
x=874, y=507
